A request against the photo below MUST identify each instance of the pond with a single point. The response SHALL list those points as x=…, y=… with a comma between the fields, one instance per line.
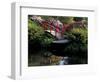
x=46, y=58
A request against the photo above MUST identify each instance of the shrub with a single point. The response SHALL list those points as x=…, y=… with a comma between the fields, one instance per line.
x=47, y=39
x=78, y=18
x=37, y=37
x=78, y=42
x=35, y=32
x=66, y=20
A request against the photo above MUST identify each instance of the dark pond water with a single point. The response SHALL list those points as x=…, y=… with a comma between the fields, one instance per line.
x=46, y=58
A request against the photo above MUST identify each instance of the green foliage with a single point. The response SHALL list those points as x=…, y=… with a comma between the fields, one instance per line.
x=78, y=44
x=77, y=34
x=77, y=37
x=47, y=39
x=65, y=20
x=78, y=18
x=36, y=34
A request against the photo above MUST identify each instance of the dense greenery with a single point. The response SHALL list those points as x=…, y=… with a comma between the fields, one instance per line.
x=78, y=42
x=41, y=42
x=66, y=20
x=77, y=18
x=77, y=36
x=35, y=32
x=37, y=37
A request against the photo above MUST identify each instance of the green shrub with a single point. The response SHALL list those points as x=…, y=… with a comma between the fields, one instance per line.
x=78, y=18
x=66, y=20
x=36, y=34
x=78, y=42
x=47, y=39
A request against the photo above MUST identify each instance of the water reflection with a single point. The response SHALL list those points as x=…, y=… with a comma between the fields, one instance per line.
x=63, y=61
x=43, y=58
